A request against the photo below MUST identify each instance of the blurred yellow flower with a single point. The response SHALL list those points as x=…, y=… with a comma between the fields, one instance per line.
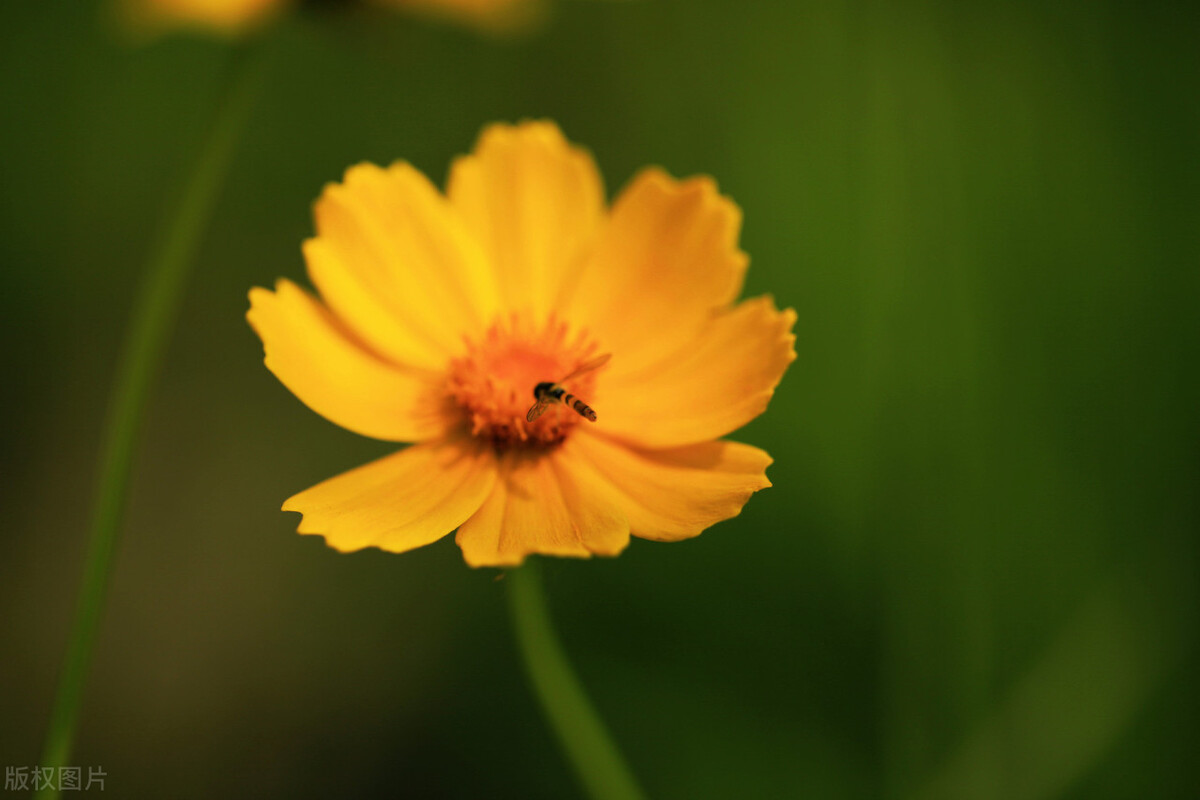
x=440, y=314
x=490, y=15
x=229, y=17
x=232, y=17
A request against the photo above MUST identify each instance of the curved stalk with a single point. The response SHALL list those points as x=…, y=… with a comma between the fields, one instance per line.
x=574, y=720
x=153, y=314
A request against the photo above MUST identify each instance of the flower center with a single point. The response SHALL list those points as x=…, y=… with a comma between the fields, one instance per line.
x=494, y=382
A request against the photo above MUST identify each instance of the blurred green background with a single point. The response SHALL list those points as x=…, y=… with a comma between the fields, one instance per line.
x=975, y=576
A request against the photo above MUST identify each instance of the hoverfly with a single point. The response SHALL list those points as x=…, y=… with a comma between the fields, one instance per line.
x=548, y=394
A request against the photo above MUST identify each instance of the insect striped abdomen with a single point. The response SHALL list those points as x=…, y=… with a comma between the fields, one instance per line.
x=581, y=408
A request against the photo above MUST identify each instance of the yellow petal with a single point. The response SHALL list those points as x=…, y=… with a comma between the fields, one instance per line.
x=667, y=259
x=535, y=202
x=716, y=384
x=674, y=494
x=336, y=376
x=543, y=503
x=401, y=501
x=492, y=16
x=396, y=264
x=220, y=16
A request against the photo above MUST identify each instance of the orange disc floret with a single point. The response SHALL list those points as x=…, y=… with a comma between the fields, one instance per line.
x=493, y=384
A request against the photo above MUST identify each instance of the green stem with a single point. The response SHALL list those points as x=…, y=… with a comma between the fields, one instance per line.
x=154, y=310
x=585, y=741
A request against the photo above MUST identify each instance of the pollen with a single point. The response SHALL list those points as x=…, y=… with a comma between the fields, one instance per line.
x=493, y=383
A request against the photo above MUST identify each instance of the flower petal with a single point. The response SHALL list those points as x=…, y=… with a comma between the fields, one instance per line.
x=336, y=376
x=716, y=384
x=490, y=16
x=396, y=264
x=666, y=261
x=674, y=494
x=401, y=501
x=535, y=202
x=543, y=503
x=228, y=17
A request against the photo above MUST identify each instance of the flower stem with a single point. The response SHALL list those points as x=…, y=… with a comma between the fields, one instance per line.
x=585, y=741
x=152, y=315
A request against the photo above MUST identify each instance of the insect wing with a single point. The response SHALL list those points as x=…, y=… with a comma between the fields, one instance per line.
x=537, y=410
x=595, y=363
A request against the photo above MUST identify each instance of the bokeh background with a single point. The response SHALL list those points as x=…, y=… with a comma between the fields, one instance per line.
x=975, y=576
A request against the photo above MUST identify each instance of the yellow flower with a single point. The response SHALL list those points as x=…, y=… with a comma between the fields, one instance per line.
x=489, y=15
x=227, y=17
x=232, y=17
x=439, y=314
